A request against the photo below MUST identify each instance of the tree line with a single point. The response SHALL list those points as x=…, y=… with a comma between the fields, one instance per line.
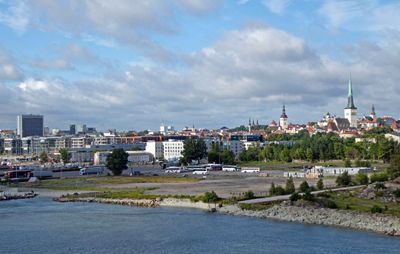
x=323, y=147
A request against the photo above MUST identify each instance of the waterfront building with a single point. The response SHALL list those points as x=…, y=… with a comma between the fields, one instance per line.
x=13, y=146
x=155, y=148
x=29, y=125
x=283, y=121
x=350, y=112
x=172, y=149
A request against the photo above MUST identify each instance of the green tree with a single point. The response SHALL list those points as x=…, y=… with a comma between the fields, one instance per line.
x=214, y=157
x=65, y=155
x=304, y=186
x=43, y=157
x=344, y=179
x=193, y=150
x=227, y=157
x=272, y=189
x=320, y=184
x=309, y=154
x=361, y=179
x=290, y=186
x=285, y=155
x=117, y=161
x=394, y=168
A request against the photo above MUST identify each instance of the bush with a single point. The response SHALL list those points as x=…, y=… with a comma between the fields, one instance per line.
x=362, y=179
x=320, y=184
x=379, y=177
x=304, y=186
x=379, y=186
x=329, y=204
x=276, y=191
x=344, y=179
x=248, y=195
x=308, y=196
x=210, y=197
x=376, y=209
x=294, y=197
x=279, y=191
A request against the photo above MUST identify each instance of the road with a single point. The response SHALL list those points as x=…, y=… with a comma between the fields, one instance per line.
x=286, y=197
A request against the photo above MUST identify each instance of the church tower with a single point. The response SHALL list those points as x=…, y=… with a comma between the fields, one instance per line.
x=283, y=121
x=350, y=112
x=373, y=114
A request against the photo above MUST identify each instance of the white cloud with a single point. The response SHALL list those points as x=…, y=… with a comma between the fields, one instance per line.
x=110, y=22
x=361, y=15
x=16, y=16
x=8, y=69
x=276, y=6
x=246, y=72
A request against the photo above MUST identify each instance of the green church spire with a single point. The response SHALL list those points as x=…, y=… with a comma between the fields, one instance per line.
x=350, y=100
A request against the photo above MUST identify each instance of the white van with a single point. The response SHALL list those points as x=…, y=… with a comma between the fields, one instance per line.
x=200, y=172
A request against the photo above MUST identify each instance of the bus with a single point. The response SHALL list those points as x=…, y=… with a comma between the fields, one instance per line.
x=214, y=167
x=17, y=175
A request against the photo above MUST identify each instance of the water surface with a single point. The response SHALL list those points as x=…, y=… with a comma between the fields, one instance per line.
x=42, y=226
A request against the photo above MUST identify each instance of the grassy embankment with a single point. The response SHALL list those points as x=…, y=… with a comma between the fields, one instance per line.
x=351, y=201
x=104, y=183
x=348, y=200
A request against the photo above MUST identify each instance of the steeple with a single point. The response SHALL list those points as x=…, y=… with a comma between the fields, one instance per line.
x=283, y=115
x=350, y=100
x=373, y=110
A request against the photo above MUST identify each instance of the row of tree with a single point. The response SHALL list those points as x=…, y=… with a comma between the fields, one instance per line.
x=323, y=147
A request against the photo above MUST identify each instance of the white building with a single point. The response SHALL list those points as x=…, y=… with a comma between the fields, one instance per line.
x=172, y=149
x=335, y=171
x=156, y=149
x=165, y=130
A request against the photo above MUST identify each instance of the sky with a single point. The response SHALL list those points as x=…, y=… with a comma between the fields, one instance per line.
x=132, y=65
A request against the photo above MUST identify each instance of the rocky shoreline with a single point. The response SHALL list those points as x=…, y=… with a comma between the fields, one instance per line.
x=171, y=202
x=18, y=195
x=377, y=223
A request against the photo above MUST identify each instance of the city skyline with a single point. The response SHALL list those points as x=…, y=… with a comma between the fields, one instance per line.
x=207, y=63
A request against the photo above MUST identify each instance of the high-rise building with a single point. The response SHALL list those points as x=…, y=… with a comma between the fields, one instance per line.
x=283, y=121
x=72, y=129
x=350, y=112
x=30, y=125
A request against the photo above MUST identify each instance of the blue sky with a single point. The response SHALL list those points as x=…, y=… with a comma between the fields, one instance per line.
x=131, y=65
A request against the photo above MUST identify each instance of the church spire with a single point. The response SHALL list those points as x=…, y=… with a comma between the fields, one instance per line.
x=283, y=115
x=350, y=100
